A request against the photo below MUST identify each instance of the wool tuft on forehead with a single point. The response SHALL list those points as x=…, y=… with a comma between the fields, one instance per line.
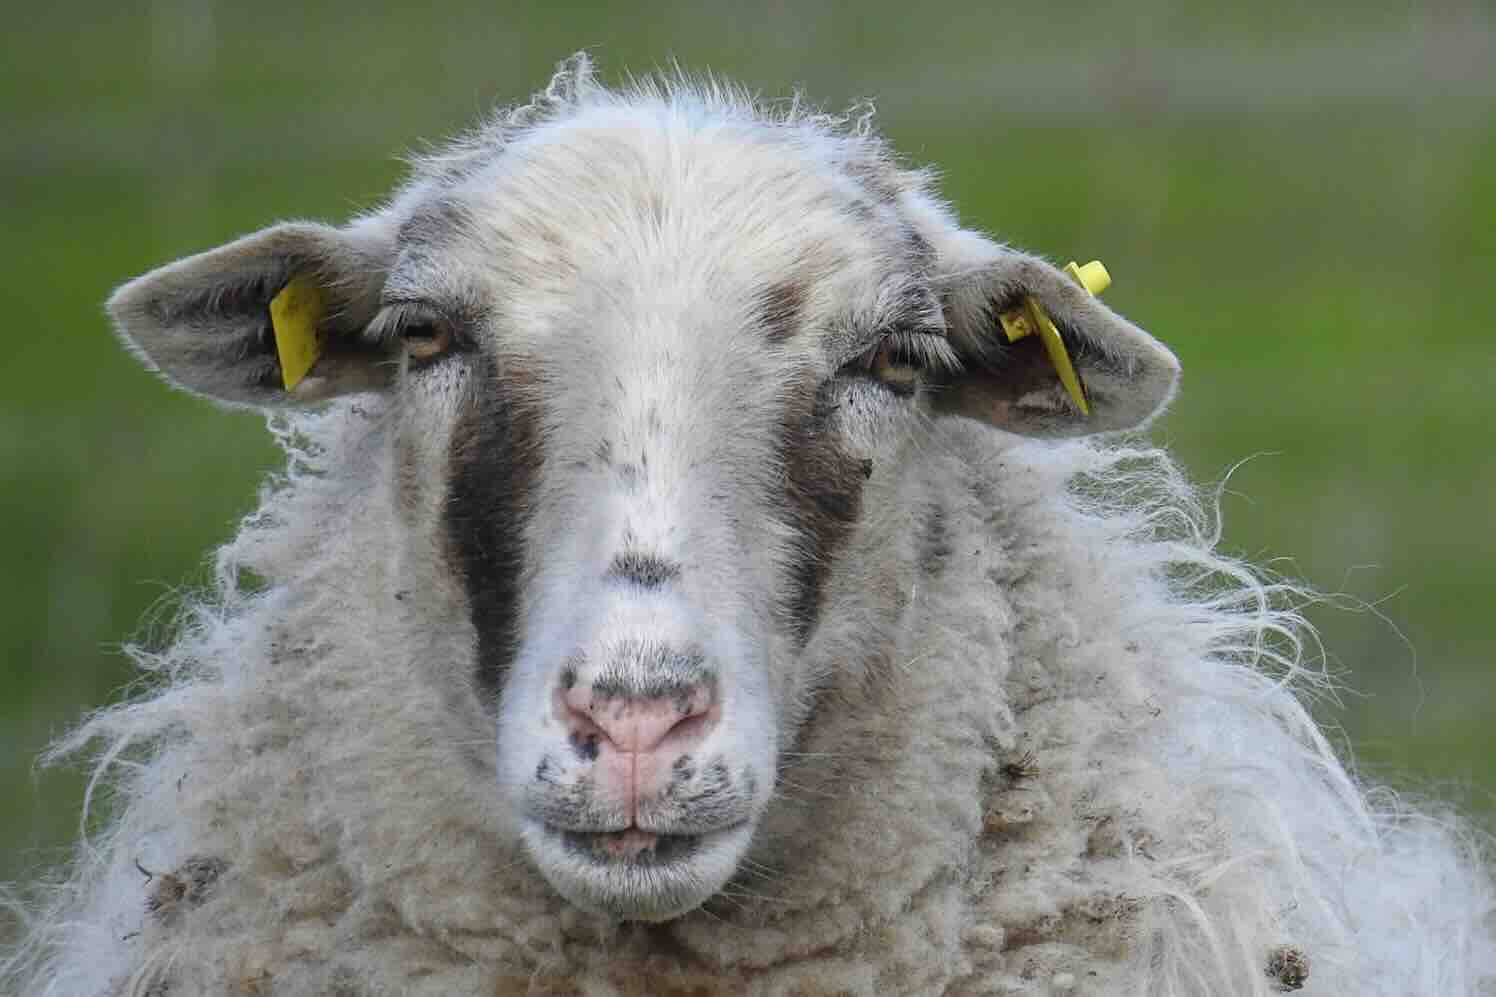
x=844, y=140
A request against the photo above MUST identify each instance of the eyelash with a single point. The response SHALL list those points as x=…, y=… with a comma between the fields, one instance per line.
x=426, y=333
x=899, y=359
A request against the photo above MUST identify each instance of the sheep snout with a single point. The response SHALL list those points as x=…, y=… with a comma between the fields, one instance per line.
x=640, y=725
x=637, y=745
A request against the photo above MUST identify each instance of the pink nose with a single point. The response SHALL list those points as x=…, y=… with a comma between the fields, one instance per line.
x=638, y=725
x=635, y=746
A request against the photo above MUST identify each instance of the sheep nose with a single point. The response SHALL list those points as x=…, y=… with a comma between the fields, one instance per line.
x=640, y=725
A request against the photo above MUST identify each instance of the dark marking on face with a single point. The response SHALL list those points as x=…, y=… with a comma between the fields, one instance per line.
x=780, y=309
x=682, y=703
x=702, y=799
x=649, y=670
x=605, y=453
x=706, y=803
x=867, y=467
x=643, y=688
x=648, y=571
x=495, y=459
x=569, y=671
x=934, y=542
x=682, y=770
x=437, y=222
x=716, y=774
x=543, y=770
x=585, y=745
x=572, y=803
x=824, y=486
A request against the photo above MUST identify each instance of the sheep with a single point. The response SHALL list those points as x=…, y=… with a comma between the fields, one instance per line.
x=677, y=585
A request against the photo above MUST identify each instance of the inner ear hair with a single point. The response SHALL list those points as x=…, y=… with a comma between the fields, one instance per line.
x=1007, y=382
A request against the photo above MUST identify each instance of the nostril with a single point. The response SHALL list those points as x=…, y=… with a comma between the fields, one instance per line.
x=638, y=724
x=692, y=727
x=585, y=736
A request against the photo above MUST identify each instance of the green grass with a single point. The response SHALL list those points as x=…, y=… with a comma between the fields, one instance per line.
x=1301, y=200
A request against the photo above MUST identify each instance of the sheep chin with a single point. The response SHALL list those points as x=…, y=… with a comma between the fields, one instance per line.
x=686, y=871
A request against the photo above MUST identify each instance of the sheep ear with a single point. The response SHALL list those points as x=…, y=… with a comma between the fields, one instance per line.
x=205, y=322
x=1125, y=376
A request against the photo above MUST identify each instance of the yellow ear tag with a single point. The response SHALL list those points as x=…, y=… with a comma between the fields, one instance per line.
x=1030, y=318
x=294, y=315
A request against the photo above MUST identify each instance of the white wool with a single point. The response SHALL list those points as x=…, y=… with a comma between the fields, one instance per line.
x=1081, y=763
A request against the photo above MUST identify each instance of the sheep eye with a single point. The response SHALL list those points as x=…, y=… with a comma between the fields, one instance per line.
x=896, y=365
x=426, y=339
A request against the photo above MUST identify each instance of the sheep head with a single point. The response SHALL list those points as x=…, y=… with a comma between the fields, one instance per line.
x=648, y=375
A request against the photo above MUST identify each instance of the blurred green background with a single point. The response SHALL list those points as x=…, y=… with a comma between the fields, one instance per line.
x=1300, y=198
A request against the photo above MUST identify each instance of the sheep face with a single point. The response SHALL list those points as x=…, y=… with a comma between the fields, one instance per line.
x=651, y=379
x=665, y=415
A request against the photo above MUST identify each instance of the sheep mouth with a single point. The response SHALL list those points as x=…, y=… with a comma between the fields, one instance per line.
x=632, y=846
x=633, y=874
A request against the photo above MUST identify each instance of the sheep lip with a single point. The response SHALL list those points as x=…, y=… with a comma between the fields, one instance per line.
x=632, y=846
x=636, y=875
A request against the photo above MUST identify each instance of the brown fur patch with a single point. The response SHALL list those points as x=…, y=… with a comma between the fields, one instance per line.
x=437, y=222
x=780, y=308
x=495, y=460
x=824, y=485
